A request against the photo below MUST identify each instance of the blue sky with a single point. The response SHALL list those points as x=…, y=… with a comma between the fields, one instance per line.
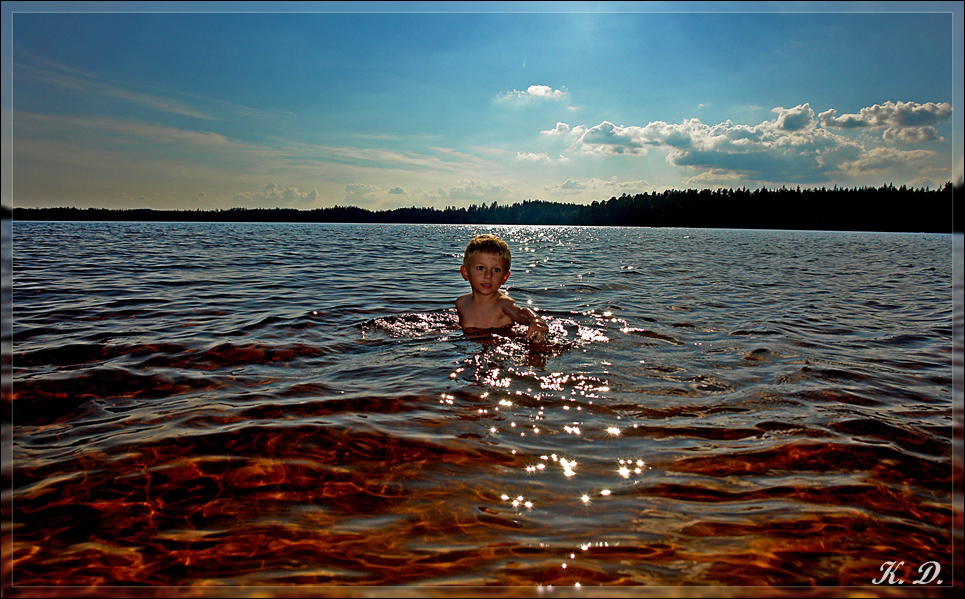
x=380, y=105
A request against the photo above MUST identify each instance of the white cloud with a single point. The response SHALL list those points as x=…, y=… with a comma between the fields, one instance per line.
x=373, y=196
x=628, y=186
x=792, y=147
x=559, y=129
x=545, y=91
x=607, y=138
x=795, y=119
x=908, y=122
x=923, y=182
x=715, y=178
x=533, y=93
x=911, y=135
x=272, y=195
x=891, y=114
x=595, y=186
x=882, y=159
x=530, y=157
x=362, y=192
x=466, y=189
x=539, y=157
x=478, y=190
x=568, y=186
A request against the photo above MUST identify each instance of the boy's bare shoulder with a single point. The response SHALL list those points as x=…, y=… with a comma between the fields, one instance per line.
x=507, y=303
x=505, y=299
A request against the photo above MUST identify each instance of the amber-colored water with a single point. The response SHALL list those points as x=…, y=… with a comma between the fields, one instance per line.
x=260, y=404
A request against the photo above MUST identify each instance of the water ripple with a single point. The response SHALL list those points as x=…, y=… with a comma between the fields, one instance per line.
x=255, y=404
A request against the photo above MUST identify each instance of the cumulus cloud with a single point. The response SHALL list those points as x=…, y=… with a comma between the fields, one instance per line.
x=908, y=122
x=275, y=195
x=715, y=178
x=607, y=138
x=533, y=93
x=545, y=91
x=925, y=182
x=881, y=159
x=477, y=190
x=466, y=189
x=568, y=186
x=795, y=119
x=796, y=145
x=628, y=186
x=559, y=129
x=891, y=114
x=530, y=157
x=611, y=186
x=911, y=135
x=397, y=191
x=361, y=192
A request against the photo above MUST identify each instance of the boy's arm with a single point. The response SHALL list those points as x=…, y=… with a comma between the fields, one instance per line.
x=460, y=308
x=537, y=326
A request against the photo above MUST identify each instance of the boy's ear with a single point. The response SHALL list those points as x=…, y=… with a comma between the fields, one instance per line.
x=506, y=277
x=462, y=270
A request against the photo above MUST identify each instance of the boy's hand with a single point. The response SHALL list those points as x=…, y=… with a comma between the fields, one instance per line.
x=537, y=330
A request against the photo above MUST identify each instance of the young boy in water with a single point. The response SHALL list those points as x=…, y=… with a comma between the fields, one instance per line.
x=486, y=266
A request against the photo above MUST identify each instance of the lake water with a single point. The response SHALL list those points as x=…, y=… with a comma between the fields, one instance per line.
x=271, y=404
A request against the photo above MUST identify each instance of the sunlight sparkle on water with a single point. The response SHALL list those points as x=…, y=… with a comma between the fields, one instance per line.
x=534, y=467
x=518, y=501
x=625, y=467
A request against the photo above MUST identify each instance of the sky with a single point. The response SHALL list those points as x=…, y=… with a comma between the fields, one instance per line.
x=214, y=105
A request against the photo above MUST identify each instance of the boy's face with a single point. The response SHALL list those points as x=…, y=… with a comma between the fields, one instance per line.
x=485, y=272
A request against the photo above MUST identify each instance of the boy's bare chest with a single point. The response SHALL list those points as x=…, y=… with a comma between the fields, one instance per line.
x=484, y=316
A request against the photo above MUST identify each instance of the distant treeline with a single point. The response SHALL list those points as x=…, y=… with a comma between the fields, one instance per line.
x=886, y=208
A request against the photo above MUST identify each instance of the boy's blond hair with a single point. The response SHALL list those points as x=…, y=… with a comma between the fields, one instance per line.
x=489, y=244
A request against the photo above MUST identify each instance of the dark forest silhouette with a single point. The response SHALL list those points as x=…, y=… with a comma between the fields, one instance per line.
x=885, y=208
